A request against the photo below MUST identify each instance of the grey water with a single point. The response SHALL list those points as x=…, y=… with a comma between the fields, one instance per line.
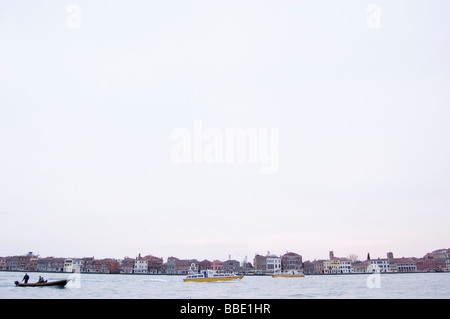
x=120, y=286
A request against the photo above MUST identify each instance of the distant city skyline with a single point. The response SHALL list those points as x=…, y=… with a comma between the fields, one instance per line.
x=249, y=258
x=355, y=93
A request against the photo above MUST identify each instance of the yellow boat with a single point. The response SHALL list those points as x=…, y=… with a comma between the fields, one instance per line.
x=287, y=274
x=209, y=275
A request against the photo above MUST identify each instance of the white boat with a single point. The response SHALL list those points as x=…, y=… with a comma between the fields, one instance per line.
x=288, y=273
x=209, y=275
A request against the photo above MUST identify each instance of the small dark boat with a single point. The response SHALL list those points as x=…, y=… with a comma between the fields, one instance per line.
x=59, y=283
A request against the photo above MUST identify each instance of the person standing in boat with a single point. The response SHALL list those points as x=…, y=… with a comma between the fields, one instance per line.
x=25, y=278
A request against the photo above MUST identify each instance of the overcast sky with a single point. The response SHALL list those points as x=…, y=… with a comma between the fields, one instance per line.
x=91, y=93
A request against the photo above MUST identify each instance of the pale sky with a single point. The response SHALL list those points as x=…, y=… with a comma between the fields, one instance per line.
x=91, y=93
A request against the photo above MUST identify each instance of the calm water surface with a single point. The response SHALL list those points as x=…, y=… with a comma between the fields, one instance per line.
x=94, y=286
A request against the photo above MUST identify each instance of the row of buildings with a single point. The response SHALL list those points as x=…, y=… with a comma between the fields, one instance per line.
x=435, y=261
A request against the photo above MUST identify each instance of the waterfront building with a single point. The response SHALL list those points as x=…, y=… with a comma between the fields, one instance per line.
x=444, y=255
x=172, y=265
x=27, y=262
x=273, y=263
x=360, y=267
x=154, y=264
x=231, y=265
x=291, y=261
x=107, y=266
x=259, y=263
x=319, y=267
x=345, y=266
x=73, y=265
x=401, y=264
x=69, y=265
x=379, y=265
x=205, y=265
x=338, y=265
x=164, y=268
x=217, y=265
x=127, y=265
x=247, y=267
x=77, y=264
x=147, y=265
x=392, y=263
x=308, y=267
x=331, y=266
x=51, y=264
x=437, y=260
x=270, y=263
x=441, y=253
x=430, y=264
x=140, y=265
x=88, y=264
x=11, y=263
x=3, y=263
x=405, y=265
x=177, y=266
